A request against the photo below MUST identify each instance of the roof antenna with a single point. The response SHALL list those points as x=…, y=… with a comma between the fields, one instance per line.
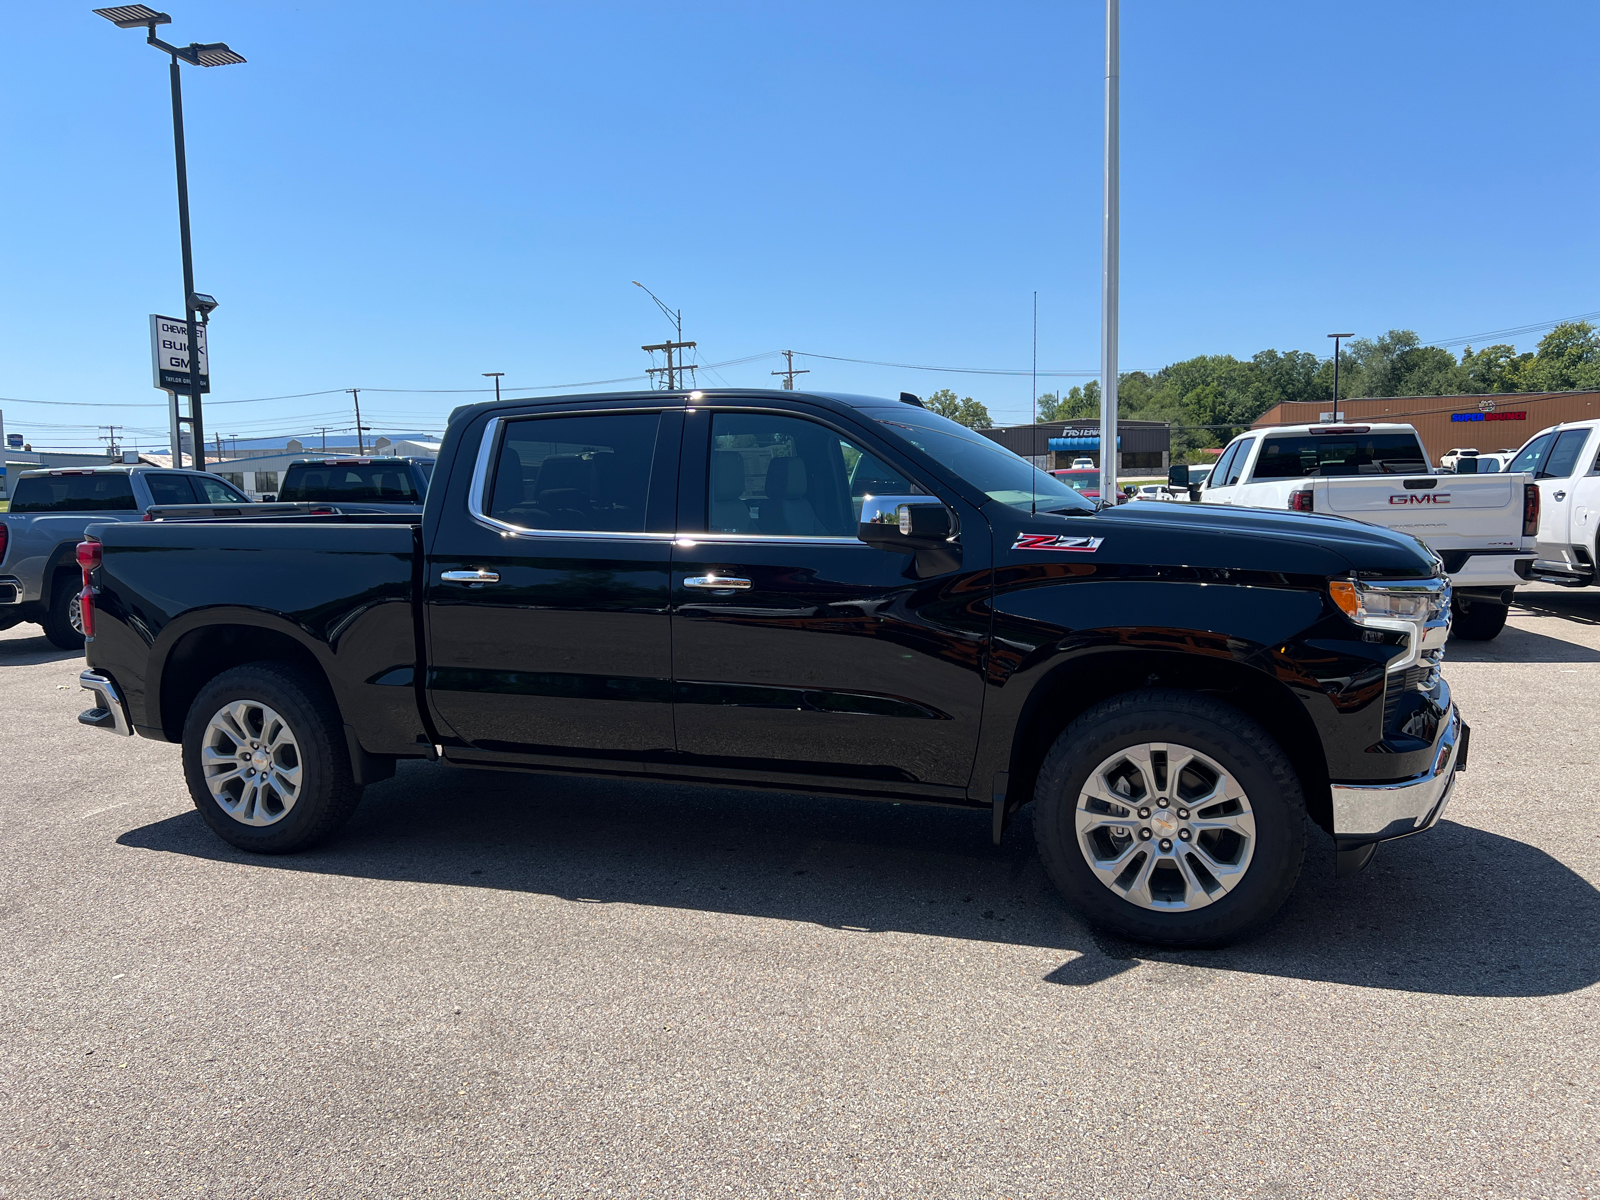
x=1033, y=392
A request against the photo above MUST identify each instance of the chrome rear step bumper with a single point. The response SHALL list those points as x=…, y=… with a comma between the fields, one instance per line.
x=109, y=712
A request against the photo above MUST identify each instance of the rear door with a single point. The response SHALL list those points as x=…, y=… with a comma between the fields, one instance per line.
x=547, y=589
x=802, y=655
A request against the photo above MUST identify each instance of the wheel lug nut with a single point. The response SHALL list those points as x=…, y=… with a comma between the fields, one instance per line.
x=1145, y=813
x=1183, y=834
x=1183, y=814
x=1162, y=802
x=1144, y=835
x=1166, y=843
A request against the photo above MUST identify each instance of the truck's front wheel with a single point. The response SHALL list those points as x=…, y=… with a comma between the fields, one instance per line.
x=1477, y=620
x=264, y=761
x=1171, y=818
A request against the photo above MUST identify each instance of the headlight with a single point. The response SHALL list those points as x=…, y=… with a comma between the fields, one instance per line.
x=1417, y=607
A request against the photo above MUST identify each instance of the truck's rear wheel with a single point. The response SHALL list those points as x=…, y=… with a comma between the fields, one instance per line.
x=63, y=620
x=1170, y=818
x=264, y=759
x=1477, y=620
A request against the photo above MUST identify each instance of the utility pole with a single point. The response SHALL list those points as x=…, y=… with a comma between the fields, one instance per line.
x=674, y=374
x=113, y=450
x=219, y=447
x=789, y=371
x=323, y=430
x=1336, y=339
x=361, y=445
x=495, y=375
x=1110, y=265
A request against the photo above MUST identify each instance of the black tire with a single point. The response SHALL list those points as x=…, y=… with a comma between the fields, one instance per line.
x=1218, y=731
x=58, y=623
x=327, y=794
x=1477, y=620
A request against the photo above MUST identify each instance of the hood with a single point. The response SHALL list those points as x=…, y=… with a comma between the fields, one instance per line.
x=1223, y=536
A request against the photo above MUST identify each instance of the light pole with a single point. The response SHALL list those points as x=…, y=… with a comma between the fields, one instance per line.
x=1336, y=339
x=495, y=375
x=674, y=375
x=1110, y=259
x=196, y=54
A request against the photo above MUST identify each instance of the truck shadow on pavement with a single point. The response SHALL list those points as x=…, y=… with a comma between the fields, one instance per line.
x=30, y=651
x=1455, y=912
x=1520, y=646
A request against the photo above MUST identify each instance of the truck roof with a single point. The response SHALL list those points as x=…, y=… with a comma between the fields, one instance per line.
x=848, y=399
x=1346, y=427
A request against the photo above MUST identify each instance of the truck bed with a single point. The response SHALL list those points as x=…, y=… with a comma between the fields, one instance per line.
x=343, y=591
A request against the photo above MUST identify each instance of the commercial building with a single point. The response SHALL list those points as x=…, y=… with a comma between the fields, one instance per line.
x=1502, y=421
x=1141, y=445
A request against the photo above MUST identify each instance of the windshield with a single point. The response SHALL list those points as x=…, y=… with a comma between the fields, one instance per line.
x=375, y=482
x=987, y=465
x=1299, y=455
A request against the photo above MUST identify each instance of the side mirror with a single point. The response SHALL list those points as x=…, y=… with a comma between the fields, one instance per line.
x=1178, y=475
x=1466, y=466
x=919, y=525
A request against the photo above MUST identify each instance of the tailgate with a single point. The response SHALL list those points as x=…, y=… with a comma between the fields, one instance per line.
x=1476, y=511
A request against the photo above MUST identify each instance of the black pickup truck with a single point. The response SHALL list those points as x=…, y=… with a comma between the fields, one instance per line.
x=814, y=593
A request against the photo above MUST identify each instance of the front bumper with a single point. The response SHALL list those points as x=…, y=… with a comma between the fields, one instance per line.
x=109, y=712
x=1367, y=813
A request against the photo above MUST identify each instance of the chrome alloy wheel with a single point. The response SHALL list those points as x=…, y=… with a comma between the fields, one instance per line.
x=251, y=762
x=1165, y=827
x=75, y=614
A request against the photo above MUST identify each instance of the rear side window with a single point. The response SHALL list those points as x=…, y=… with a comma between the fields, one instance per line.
x=583, y=473
x=374, y=483
x=74, y=494
x=169, y=489
x=1564, y=454
x=1303, y=455
x=212, y=490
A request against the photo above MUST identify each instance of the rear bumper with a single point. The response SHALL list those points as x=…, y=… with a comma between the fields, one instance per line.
x=11, y=590
x=1364, y=813
x=1493, y=570
x=109, y=712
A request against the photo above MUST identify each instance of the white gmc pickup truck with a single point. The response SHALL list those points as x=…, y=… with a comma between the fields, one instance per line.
x=1482, y=526
x=1565, y=462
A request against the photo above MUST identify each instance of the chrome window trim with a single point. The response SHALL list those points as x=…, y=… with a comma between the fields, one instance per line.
x=769, y=539
x=477, y=489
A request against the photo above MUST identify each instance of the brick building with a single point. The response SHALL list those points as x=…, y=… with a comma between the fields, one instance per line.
x=1487, y=423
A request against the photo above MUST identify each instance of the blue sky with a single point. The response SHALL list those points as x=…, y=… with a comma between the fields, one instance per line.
x=405, y=195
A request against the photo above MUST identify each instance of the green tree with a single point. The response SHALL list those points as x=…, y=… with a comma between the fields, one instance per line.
x=1497, y=368
x=1079, y=402
x=965, y=410
x=1568, y=357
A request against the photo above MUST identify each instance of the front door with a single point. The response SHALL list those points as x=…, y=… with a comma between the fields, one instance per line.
x=1558, y=464
x=800, y=653
x=547, y=605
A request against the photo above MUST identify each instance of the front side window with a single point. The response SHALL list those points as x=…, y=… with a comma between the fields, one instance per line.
x=1531, y=456
x=982, y=462
x=580, y=473
x=1304, y=455
x=1219, y=474
x=1241, y=455
x=213, y=490
x=74, y=493
x=778, y=476
x=1564, y=454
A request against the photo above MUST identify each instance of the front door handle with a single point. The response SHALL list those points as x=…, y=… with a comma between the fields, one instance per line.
x=1559, y=496
x=478, y=576
x=717, y=583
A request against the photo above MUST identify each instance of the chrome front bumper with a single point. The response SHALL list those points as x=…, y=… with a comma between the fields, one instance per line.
x=1366, y=813
x=109, y=712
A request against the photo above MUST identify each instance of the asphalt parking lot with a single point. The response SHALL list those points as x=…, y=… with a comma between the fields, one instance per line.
x=495, y=985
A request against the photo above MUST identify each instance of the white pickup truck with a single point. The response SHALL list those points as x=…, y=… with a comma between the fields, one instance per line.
x=1565, y=463
x=1482, y=525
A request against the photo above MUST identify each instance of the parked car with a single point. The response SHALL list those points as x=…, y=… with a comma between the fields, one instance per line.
x=813, y=593
x=358, y=485
x=1564, y=461
x=1154, y=491
x=50, y=510
x=1079, y=464
x=1449, y=459
x=1482, y=528
x=1085, y=483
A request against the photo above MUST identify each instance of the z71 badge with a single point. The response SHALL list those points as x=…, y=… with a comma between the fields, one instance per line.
x=1056, y=541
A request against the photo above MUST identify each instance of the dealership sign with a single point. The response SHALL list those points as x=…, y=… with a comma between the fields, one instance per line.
x=1489, y=416
x=169, y=355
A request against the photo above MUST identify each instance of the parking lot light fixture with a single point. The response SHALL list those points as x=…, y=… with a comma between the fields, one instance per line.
x=197, y=54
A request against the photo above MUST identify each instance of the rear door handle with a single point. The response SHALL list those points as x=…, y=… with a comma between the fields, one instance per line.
x=717, y=583
x=478, y=576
